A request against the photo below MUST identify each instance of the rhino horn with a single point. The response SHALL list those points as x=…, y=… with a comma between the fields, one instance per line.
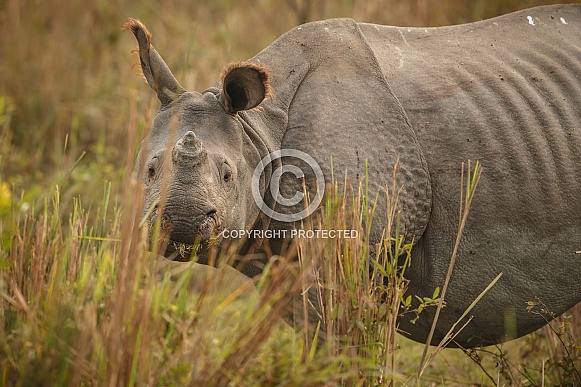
x=155, y=70
x=188, y=150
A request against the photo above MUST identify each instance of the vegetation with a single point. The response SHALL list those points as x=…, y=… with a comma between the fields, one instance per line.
x=82, y=302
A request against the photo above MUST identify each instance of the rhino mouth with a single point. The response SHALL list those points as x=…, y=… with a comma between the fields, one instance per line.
x=180, y=251
x=184, y=244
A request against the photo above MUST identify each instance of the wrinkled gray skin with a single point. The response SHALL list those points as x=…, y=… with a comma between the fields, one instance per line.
x=505, y=91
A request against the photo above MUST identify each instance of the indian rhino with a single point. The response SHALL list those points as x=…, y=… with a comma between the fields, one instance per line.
x=504, y=91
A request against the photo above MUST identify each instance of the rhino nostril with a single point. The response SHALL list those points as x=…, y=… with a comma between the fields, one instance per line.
x=211, y=214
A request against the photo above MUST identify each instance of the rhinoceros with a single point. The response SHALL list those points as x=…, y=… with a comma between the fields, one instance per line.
x=504, y=91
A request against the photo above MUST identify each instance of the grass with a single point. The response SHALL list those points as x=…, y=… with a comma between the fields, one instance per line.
x=86, y=304
x=82, y=302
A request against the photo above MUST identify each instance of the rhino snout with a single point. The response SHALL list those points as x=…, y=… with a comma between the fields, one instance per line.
x=188, y=228
x=181, y=236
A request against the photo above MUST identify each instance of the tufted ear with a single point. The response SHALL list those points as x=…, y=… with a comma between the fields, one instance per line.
x=244, y=86
x=154, y=69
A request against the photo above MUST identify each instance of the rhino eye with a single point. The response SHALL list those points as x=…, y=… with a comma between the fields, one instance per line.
x=152, y=169
x=226, y=173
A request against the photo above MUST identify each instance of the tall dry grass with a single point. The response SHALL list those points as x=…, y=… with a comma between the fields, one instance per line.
x=85, y=303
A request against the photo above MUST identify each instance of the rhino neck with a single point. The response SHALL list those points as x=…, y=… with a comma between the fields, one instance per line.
x=333, y=102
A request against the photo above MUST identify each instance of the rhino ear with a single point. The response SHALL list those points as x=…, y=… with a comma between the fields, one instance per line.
x=244, y=86
x=154, y=69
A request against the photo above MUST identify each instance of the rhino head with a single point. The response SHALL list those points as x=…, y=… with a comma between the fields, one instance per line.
x=196, y=164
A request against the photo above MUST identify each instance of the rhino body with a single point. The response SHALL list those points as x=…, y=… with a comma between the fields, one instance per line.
x=505, y=92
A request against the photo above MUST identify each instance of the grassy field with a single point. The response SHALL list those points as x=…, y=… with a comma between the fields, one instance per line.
x=82, y=302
